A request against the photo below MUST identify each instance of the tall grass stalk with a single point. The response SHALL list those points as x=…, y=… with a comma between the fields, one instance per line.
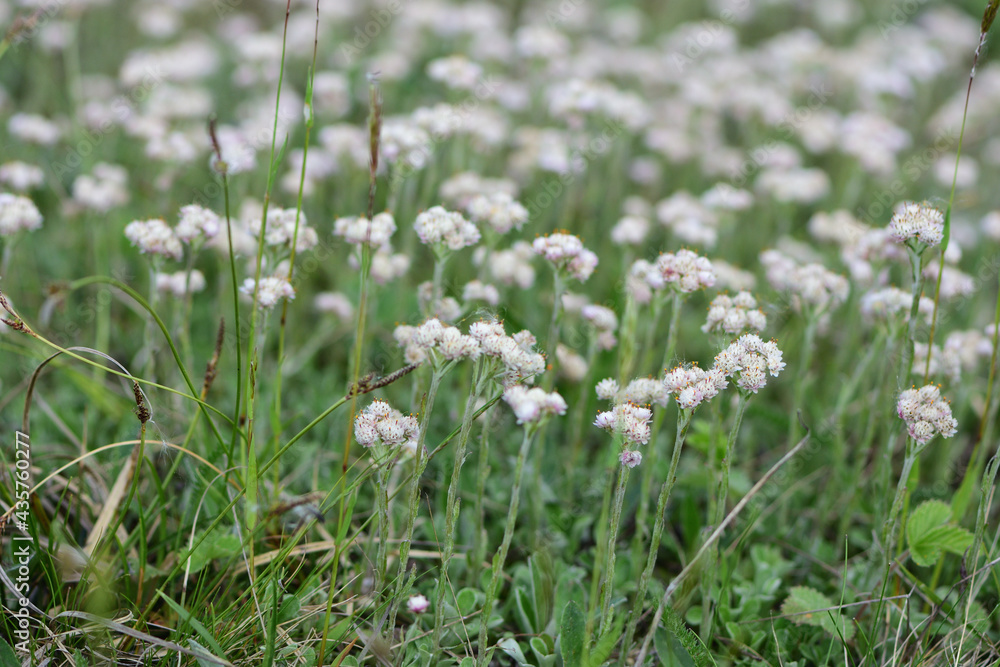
x=309, y=120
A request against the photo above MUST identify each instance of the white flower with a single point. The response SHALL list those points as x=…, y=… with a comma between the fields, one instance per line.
x=154, y=237
x=21, y=176
x=630, y=230
x=197, y=221
x=178, y=284
x=476, y=290
x=750, y=359
x=532, y=405
x=418, y=604
x=432, y=335
x=439, y=226
x=628, y=419
x=630, y=458
x=18, y=213
x=919, y=222
x=926, y=413
x=733, y=315
x=358, y=230
x=499, y=210
x=381, y=423
x=271, y=290
x=335, y=303
x=566, y=251
x=281, y=229
x=103, y=189
x=456, y=72
x=693, y=386
x=684, y=271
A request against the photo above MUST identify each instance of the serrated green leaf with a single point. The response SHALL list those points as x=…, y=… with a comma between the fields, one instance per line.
x=687, y=638
x=928, y=535
x=571, y=632
x=807, y=606
x=670, y=651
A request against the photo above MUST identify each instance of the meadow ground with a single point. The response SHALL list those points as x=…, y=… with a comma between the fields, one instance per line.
x=539, y=333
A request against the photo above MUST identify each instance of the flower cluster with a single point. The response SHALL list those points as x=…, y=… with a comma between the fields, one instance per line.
x=892, y=302
x=750, y=359
x=439, y=226
x=358, y=230
x=512, y=266
x=628, y=419
x=534, y=404
x=270, y=291
x=105, y=188
x=154, y=237
x=604, y=321
x=734, y=315
x=692, y=386
x=432, y=335
x=381, y=423
x=179, y=284
x=926, y=413
x=18, y=213
x=281, y=229
x=517, y=354
x=811, y=285
x=684, y=271
x=21, y=176
x=917, y=223
x=567, y=253
x=197, y=222
x=499, y=210
x=642, y=391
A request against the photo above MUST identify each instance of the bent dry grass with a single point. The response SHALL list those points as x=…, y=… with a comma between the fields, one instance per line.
x=424, y=254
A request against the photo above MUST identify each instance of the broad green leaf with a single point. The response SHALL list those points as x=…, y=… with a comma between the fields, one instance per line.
x=807, y=606
x=928, y=534
x=216, y=546
x=7, y=656
x=467, y=600
x=510, y=646
x=571, y=631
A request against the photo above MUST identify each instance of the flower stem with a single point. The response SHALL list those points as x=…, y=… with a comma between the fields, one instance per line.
x=609, y=566
x=501, y=556
x=683, y=420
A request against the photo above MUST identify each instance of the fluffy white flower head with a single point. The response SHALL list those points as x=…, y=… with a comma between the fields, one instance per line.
x=750, y=359
x=918, y=223
x=567, y=253
x=18, y=213
x=381, y=423
x=629, y=419
x=154, y=237
x=532, y=405
x=437, y=225
x=926, y=413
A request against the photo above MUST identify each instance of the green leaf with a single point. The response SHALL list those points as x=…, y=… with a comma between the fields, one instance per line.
x=214, y=547
x=571, y=631
x=928, y=534
x=526, y=611
x=807, y=606
x=7, y=656
x=467, y=600
x=542, y=588
x=196, y=624
x=510, y=646
x=289, y=610
x=670, y=651
x=602, y=648
x=692, y=644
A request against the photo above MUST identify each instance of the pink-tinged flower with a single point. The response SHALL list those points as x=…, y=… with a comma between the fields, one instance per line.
x=566, y=252
x=750, y=359
x=629, y=419
x=439, y=226
x=630, y=458
x=381, y=423
x=917, y=223
x=533, y=405
x=926, y=413
x=691, y=387
x=734, y=315
x=684, y=271
x=418, y=604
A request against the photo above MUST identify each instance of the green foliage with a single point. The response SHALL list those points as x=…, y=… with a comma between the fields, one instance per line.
x=929, y=533
x=807, y=606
